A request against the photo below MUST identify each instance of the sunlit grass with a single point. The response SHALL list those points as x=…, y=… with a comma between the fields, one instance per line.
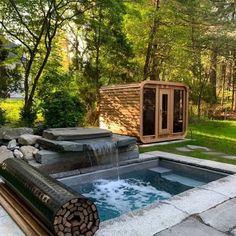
x=219, y=136
x=12, y=108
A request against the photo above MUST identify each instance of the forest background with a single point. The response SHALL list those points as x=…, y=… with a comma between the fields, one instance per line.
x=59, y=53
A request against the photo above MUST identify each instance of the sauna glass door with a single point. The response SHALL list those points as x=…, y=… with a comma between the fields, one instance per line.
x=164, y=111
x=149, y=111
x=178, y=111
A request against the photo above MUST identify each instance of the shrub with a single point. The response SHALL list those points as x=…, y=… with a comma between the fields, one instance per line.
x=2, y=117
x=60, y=109
x=27, y=118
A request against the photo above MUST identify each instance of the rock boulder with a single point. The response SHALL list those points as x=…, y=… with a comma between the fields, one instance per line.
x=28, y=139
x=14, y=133
x=28, y=152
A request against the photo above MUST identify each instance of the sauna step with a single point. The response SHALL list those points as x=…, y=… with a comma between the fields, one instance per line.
x=161, y=170
x=183, y=180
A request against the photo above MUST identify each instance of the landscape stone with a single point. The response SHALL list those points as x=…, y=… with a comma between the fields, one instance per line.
x=12, y=144
x=36, y=145
x=194, y=147
x=233, y=232
x=185, y=201
x=213, y=217
x=18, y=154
x=14, y=133
x=28, y=152
x=28, y=139
x=50, y=157
x=61, y=146
x=124, y=140
x=184, y=149
x=229, y=157
x=68, y=134
x=214, y=153
x=5, y=154
x=190, y=227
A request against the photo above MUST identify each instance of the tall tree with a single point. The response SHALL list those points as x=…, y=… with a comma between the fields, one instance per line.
x=34, y=24
x=9, y=70
x=106, y=53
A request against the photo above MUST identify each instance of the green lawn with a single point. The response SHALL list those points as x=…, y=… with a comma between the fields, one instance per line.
x=12, y=108
x=219, y=136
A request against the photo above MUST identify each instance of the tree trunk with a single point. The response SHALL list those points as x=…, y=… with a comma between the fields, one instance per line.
x=213, y=75
x=199, y=103
x=152, y=47
x=223, y=76
x=234, y=87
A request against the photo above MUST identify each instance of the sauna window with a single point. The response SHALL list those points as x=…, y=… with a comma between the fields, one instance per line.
x=149, y=110
x=178, y=111
x=164, y=111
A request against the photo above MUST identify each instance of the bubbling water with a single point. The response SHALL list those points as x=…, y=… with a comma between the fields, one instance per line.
x=116, y=197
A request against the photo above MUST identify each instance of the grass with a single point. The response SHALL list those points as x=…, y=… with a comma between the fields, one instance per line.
x=219, y=136
x=12, y=108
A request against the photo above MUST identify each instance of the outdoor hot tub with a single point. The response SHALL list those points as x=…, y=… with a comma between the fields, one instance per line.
x=120, y=190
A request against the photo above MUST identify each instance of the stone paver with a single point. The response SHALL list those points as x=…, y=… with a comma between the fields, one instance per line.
x=225, y=186
x=194, y=147
x=184, y=149
x=190, y=227
x=187, y=201
x=233, y=232
x=2, y=212
x=229, y=157
x=144, y=222
x=214, y=153
x=213, y=217
x=7, y=226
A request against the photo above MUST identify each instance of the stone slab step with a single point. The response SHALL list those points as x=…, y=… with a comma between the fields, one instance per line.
x=183, y=180
x=50, y=157
x=60, y=146
x=67, y=134
x=161, y=170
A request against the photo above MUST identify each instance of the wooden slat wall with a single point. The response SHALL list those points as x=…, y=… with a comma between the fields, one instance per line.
x=120, y=110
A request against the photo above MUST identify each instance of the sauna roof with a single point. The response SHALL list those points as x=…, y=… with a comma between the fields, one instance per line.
x=138, y=85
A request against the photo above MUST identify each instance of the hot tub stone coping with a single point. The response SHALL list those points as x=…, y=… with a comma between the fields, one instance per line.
x=156, y=155
x=213, y=165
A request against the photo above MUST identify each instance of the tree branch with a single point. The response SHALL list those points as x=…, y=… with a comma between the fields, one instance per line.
x=21, y=19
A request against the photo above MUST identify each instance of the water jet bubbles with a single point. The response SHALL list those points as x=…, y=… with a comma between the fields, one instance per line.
x=121, y=196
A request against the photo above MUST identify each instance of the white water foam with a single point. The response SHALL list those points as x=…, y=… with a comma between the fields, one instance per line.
x=124, y=195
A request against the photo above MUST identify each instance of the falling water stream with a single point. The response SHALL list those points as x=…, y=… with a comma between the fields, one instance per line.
x=98, y=151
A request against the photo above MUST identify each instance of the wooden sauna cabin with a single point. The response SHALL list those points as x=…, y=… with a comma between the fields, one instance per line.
x=152, y=111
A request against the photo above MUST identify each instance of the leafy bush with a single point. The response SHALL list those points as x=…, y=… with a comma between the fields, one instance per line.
x=28, y=117
x=2, y=116
x=60, y=109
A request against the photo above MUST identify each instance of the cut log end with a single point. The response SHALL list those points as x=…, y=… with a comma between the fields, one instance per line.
x=76, y=217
